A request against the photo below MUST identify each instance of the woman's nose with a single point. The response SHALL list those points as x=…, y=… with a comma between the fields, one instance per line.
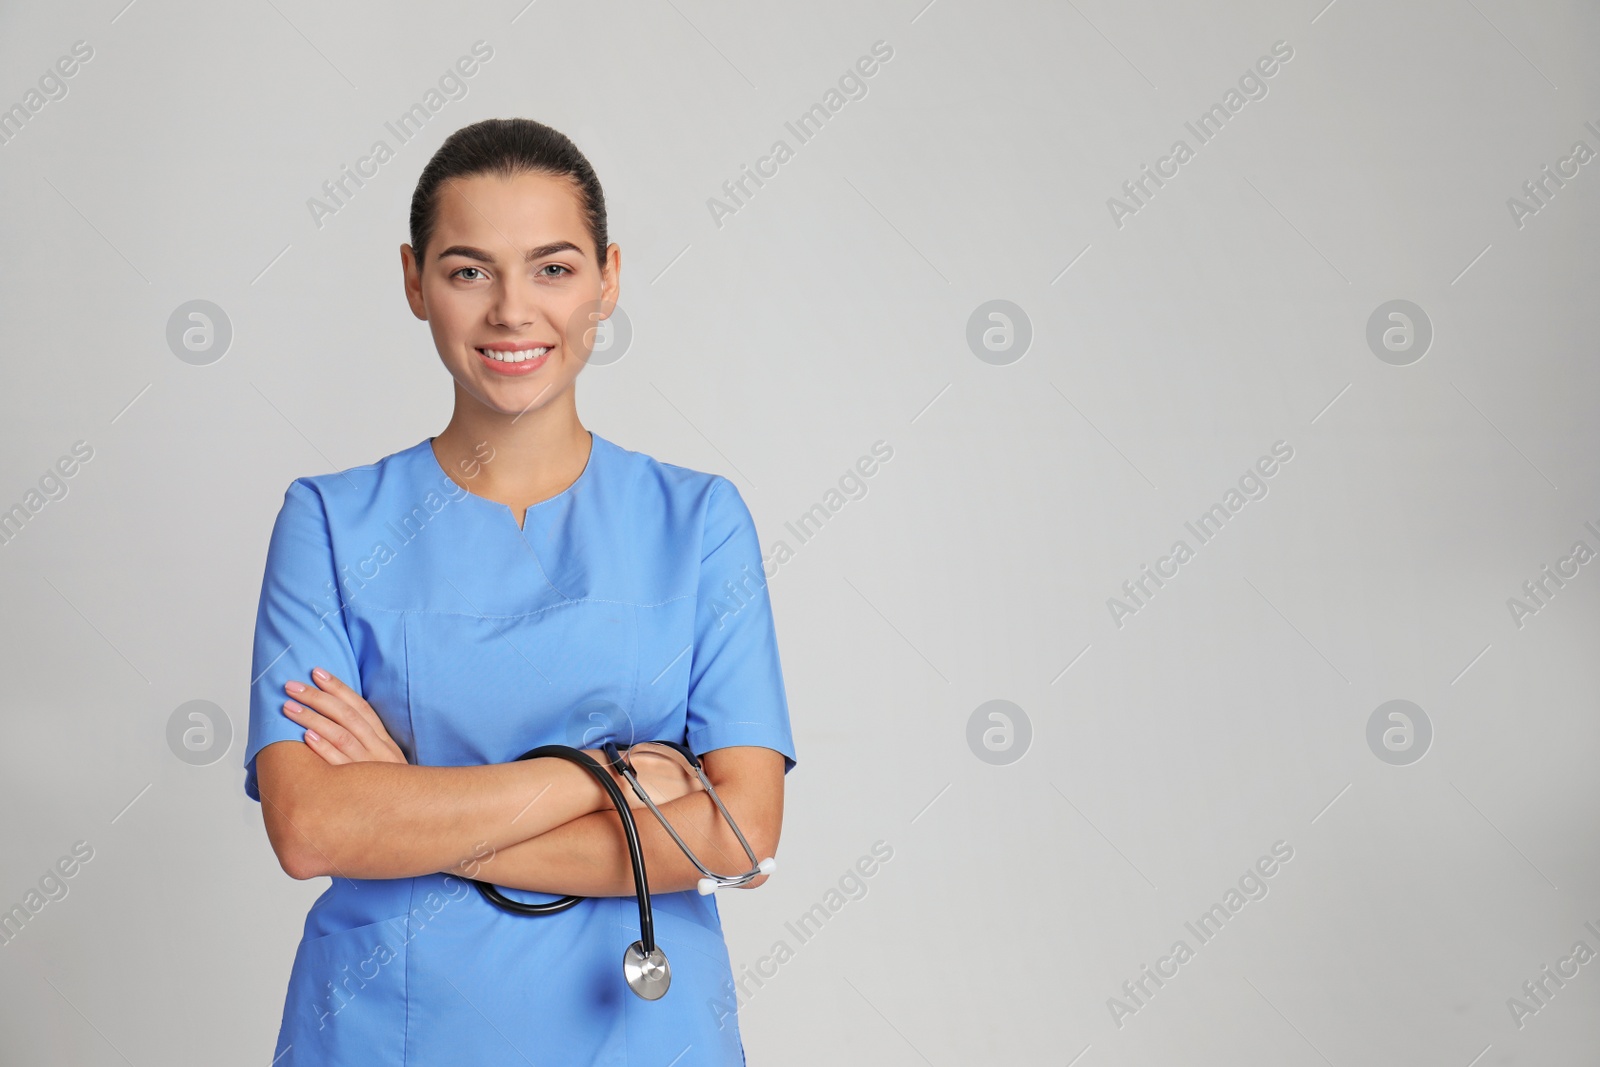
x=516, y=304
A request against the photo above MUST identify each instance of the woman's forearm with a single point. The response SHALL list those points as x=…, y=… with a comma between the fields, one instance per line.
x=588, y=856
x=395, y=820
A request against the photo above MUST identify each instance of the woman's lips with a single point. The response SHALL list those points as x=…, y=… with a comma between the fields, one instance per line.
x=524, y=365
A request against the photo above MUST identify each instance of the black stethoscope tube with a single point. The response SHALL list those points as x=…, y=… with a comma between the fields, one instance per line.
x=641, y=886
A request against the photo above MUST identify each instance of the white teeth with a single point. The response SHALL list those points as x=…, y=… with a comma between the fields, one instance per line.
x=521, y=355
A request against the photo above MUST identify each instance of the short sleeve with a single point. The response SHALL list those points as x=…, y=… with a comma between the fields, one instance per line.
x=299, y=622
x=736, y=694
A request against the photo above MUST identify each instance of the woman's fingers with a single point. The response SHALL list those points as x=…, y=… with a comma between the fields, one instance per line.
x=367, y=721
x=331, y=706
x=364, y=736
x=348, y=698
x=326, y=738
x=321, y=746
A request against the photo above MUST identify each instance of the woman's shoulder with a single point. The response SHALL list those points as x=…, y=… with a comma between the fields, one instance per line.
x=357, y=489
x=672, y=482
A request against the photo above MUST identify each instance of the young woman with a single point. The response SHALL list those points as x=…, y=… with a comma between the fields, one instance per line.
x=517, y=580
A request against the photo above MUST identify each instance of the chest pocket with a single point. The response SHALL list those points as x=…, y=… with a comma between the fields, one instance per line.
x=485, y=689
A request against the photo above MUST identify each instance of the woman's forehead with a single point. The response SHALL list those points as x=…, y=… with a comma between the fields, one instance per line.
x=528, y=210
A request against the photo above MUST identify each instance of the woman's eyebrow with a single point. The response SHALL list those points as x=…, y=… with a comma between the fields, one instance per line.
x=468, y=252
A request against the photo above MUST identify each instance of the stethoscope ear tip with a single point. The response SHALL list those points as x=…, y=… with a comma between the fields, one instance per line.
x=706, y=886
x=767, y=866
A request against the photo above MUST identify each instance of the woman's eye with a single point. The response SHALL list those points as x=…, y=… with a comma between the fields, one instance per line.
x=464, y=269
x=556, y=266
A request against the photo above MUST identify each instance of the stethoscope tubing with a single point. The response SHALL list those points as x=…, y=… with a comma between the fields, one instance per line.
x=641, y=884
x=712, y=881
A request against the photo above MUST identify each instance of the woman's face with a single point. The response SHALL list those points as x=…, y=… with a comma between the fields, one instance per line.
x=510, y=271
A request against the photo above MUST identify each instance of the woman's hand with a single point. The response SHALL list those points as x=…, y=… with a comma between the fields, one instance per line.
x=340, y=725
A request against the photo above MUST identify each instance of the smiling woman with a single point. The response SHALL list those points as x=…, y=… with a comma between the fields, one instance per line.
x=573, y=573
x=509, y=318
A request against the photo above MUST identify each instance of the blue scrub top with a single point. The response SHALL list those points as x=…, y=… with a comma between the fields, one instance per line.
x=632, y=606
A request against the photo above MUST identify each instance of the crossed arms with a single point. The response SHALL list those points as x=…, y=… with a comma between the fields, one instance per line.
x=345, y=803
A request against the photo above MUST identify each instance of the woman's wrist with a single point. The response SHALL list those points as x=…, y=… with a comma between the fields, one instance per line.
x=603, y=800
x=551, y=791
x=598, y=798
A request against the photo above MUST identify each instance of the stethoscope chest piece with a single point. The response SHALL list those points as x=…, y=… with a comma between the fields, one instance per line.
x=648, y=974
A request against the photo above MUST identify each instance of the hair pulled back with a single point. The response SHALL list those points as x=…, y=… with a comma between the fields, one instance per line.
x=506, y=148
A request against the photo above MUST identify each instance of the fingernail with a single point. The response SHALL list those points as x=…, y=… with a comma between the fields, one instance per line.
x=294, y=687
x=319, y=674
x=291, y=707
x=313, y=735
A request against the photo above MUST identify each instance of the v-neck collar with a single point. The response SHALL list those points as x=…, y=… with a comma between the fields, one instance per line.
x=596, y=443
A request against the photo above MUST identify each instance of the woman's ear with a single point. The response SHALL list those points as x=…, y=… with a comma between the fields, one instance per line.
x=411, y=278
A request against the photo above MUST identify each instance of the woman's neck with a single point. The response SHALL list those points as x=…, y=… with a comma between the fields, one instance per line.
x=517, y=461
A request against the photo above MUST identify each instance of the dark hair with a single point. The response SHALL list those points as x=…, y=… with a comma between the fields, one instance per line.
x=507, y=147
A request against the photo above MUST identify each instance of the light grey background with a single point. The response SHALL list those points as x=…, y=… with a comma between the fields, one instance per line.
x=829, y=312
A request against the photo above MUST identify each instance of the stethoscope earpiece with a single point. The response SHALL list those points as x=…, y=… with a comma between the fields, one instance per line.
x=711, y=881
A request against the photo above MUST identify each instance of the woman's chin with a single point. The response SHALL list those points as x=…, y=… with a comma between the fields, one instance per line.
x=514, y=398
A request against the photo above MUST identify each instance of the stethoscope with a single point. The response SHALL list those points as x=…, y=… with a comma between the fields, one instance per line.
x=644, y=965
